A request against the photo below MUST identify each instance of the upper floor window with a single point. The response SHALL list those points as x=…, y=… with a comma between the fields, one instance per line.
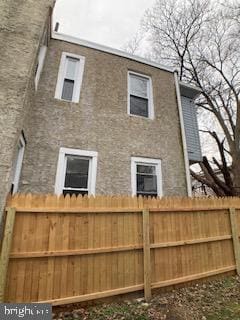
x=70, y=77
x=76, y=172
x=140, y=98
x=41, y=57
x=146, y=177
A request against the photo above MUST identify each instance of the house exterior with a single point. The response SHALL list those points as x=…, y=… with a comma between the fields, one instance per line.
x=21, y=29
x=94, y=120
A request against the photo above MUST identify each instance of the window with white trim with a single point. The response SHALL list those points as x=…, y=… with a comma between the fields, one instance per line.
x=140, y=98
x=76, y=172
x=17, y=164
x=41, y=58
x=70, y=77
x=146, y=177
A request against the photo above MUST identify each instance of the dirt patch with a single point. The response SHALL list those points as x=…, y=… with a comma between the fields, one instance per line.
x=215, y=300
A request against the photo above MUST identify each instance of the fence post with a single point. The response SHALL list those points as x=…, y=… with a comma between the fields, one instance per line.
x=236, y=244
x=5, y=250
x=146, y=255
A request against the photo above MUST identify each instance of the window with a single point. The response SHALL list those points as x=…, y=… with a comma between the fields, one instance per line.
x=17, y=164
x=146, y=177
x=41, y=58
x=76, y=172
x=140, y=101
x=70, y=77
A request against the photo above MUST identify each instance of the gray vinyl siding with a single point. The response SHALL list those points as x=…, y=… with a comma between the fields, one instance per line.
x=191, y=130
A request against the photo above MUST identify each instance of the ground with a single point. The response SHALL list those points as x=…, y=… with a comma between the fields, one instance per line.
x=214, y=300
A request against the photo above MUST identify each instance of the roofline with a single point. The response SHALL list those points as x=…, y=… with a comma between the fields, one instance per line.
x=190, y=86
x=196, y=90
x=96, y=46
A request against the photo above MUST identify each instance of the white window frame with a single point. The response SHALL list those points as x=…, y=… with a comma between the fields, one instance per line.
x=19, y=161
x=62, y=164
x=150, y=95
x=41, y=59
x=77, y=81
x=146, y=161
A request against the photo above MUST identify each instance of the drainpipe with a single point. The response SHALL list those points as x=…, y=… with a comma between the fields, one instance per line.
x=184, y=143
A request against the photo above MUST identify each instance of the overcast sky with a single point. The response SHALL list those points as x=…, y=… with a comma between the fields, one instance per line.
x=108, y=22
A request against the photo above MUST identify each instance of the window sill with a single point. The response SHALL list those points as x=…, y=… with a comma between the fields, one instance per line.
x=67, y=101
x=140, y=117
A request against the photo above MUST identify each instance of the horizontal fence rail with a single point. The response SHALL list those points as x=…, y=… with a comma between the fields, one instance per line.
x=71, y=249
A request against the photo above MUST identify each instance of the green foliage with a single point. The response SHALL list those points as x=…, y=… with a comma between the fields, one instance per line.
x=118, y=311
x=231, y=311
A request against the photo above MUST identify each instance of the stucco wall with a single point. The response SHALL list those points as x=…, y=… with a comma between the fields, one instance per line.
x=99, y=122
x=21, y=25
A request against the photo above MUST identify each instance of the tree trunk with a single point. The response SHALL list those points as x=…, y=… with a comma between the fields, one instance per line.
x=236, y=174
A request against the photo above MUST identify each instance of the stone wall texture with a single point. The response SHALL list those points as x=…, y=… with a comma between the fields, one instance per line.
x=21, y=27
x=100, y=122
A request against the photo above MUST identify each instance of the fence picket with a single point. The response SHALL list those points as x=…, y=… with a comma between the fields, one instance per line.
x=68, y=249
x=5, y=251
x=235, y=237
x=146, y=255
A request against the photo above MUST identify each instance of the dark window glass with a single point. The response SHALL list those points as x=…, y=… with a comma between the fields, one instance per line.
x=76, y=172
x=76, y=192
x=146, y=169
x=36, y=68
x=146, y=183
x=138, y=86
x=71, y=68
x=138, y=106
x=146, y=180
x=67, y=92
x=144, y=194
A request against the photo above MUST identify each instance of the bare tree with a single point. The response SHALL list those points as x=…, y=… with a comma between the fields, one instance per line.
x=233, y=12
x=201, y=39
x=132, y=45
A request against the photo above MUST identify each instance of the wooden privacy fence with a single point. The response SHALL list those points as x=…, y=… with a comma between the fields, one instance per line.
x=66, y=250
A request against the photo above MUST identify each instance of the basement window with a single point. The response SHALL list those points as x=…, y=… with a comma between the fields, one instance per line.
x=140, y=101
x=76, y=172
x=70, y=77
x=146, y=177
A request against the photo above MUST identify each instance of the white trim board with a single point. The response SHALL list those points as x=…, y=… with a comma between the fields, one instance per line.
x=96, y=46
x=41, y=59
x=184, y=141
